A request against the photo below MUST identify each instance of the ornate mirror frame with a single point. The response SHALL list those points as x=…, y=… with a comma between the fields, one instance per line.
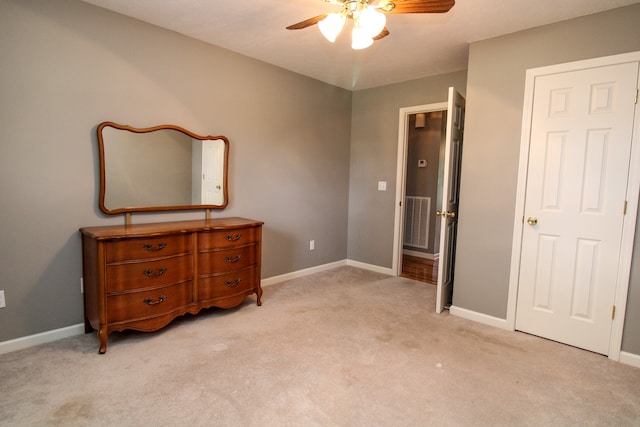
x=109, y=156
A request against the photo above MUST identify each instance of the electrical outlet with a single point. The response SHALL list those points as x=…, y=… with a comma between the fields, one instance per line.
x=3, y=302
x=312, y=245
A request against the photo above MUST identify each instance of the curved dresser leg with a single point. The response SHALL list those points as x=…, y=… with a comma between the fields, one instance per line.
x=259, y=294
x=102, y=335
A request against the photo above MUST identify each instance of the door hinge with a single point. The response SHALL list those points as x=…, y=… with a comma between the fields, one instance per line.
x=624, y=208
x=613, y=312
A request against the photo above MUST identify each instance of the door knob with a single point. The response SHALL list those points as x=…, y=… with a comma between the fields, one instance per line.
x=532, y=221
x=446, y=214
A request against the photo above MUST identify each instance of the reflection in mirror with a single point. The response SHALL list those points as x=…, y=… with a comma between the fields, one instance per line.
x=161, y=168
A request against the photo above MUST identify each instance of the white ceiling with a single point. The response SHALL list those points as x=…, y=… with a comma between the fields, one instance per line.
x=420, y=45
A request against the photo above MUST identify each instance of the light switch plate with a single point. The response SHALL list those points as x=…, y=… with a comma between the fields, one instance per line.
x=3, y=303
x=382, y=185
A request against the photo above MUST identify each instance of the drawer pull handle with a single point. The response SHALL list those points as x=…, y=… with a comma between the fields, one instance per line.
x=231, y=238
x=151, y=248
x=150, y=274
x=233, y=283
x=232, y=259
x=160, y=300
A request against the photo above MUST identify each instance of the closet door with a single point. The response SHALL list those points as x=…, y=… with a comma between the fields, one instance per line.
x=574, y=211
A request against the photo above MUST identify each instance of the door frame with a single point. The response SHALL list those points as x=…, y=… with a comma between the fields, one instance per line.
x=633, y=187
x=401, y=173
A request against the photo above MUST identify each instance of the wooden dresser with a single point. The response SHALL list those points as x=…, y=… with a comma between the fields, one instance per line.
x=143, y=276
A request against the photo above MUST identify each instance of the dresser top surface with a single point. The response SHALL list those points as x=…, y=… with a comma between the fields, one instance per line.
x=164, y=228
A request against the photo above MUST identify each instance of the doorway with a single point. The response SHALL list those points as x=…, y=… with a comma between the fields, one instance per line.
x=441, y=211
x=426, y=133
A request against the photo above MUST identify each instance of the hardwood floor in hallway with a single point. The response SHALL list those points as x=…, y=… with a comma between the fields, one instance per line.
x=421, y=269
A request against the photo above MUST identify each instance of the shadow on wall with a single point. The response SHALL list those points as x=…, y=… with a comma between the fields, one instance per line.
x=52, y=291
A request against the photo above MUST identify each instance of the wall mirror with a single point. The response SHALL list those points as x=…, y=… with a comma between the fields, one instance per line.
x=161, y=168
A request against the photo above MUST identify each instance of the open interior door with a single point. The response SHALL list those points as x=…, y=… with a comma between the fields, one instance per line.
x=448, y=211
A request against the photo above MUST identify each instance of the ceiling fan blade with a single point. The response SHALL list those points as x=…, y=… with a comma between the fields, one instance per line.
x=307, y=22
x=420, y=6
x=384, y=33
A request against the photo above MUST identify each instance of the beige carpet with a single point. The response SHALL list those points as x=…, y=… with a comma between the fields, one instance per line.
x=346, y=347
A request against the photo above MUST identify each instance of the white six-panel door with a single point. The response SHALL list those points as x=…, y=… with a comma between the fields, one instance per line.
x=580, y=144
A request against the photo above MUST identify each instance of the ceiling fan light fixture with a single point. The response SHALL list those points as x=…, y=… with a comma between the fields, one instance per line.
x=360, y=39
x=332, y=25
x=371, y=21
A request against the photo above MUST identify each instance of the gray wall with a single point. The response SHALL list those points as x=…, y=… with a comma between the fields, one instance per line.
x=67, y=66
x=374, y=151
x=495, y=95
x=631, y=336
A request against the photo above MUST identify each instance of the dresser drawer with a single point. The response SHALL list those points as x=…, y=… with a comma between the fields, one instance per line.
x=151, y=247
x=146, y=304
x=227, y=238
x=214, y=287
x=146, y=274
x=226, y=261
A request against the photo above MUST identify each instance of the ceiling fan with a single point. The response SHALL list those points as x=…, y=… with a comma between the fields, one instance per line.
x=368, y=17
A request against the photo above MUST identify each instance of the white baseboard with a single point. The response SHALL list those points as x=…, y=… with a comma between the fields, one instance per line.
x=419, y=254
x=480, y=317
x=301, y=273
x=74, y=330
x=626, y=358
x=70, y=331
x=42, y=338
x=370, y=267
x=630, y=359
